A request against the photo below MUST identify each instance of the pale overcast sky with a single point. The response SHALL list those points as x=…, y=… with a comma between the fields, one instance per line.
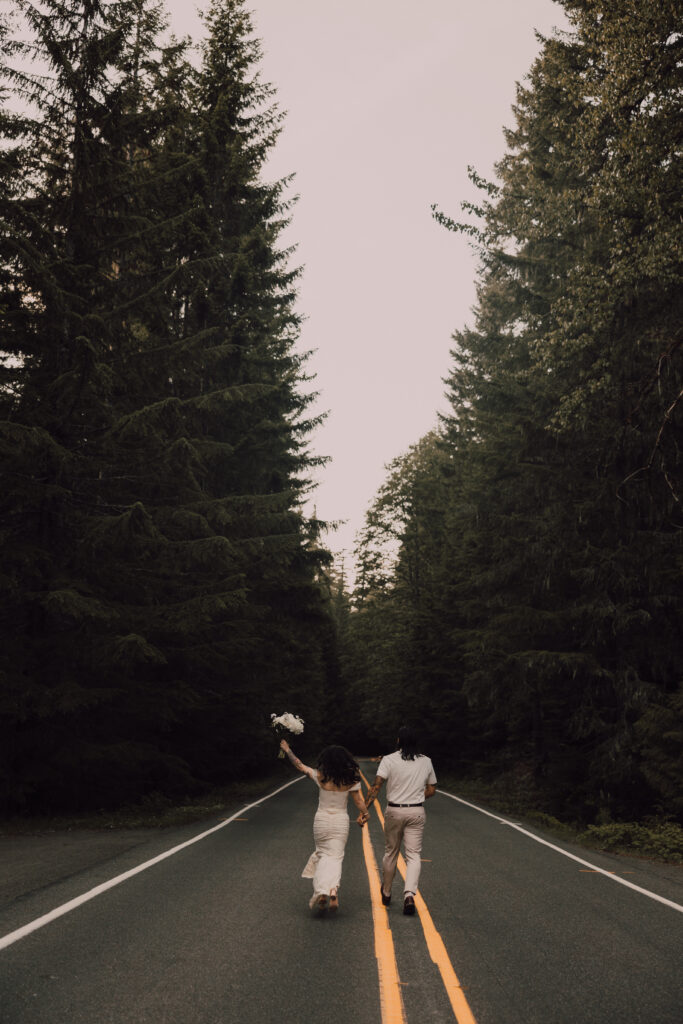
x=388, y=101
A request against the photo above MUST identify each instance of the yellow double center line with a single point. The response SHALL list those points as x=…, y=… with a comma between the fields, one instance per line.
x=391, y=1001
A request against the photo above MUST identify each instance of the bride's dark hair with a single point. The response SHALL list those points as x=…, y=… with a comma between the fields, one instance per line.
x=336, y=765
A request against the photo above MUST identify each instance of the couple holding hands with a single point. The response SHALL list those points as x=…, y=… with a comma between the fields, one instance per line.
x=410, y=780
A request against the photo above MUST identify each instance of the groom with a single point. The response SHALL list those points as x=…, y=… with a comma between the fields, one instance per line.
x=410, y=780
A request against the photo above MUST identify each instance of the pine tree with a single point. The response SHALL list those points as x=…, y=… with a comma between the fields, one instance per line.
x=559, y=627
x=66, y=221
x=240, y=298
x=395, y=662
x=174, y=578
x=551, y=556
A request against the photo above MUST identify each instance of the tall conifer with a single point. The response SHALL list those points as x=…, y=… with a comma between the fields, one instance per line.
x=555, y=590
x=165, y=586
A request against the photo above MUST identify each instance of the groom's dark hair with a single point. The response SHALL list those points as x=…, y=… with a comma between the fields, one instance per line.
x=407, y=743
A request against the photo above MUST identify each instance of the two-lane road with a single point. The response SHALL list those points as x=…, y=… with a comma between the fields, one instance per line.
x=219, y=931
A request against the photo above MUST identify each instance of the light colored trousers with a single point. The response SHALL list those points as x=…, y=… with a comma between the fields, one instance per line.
x=330, y=831
x=406, y=824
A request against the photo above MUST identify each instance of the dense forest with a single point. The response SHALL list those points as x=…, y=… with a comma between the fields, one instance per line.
x=518, y=579
x=519, y=574
x=162, y=591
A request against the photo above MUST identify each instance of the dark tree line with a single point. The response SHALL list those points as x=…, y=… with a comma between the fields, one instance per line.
x=161, y=589
x=519, y=574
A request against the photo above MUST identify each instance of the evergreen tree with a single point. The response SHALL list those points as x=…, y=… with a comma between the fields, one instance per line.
x=564, y=640
x=396, y=662
x=553, y=594
x=173, y=580
x=240, y=299
x=66, y=219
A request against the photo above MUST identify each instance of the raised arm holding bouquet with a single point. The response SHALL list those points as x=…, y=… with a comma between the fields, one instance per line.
x=286, y=723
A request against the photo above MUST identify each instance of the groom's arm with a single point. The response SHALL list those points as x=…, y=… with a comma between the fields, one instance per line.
x=373, y=792
x=360, y=804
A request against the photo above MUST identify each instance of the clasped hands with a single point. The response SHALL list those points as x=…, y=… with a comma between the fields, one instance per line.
x=363, y=817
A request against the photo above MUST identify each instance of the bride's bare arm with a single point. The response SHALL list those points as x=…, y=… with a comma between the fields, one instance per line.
x=299, y=765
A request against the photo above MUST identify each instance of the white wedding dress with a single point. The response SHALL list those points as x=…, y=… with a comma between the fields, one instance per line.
x=330, y=831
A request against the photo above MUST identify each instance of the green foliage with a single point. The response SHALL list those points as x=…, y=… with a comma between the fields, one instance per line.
x=664, y=841
x=396, y=662
x=532, y=608
x=163, y=587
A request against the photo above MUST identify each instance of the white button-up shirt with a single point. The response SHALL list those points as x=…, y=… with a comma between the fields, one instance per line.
x=406, y=780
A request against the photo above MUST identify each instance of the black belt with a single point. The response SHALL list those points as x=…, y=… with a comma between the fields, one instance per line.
x=389, y=804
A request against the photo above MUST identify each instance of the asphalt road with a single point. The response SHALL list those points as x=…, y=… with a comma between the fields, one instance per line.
x=220, y=932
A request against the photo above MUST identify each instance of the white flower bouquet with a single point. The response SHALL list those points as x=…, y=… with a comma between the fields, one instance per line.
x=286, y=723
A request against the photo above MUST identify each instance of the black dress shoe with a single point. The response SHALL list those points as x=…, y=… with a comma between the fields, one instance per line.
x=386, y=900
x=409, y=906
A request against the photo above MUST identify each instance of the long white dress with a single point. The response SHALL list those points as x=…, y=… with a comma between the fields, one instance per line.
x=330, y=831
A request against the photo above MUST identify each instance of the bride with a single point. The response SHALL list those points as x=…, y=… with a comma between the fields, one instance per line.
x=336, y=775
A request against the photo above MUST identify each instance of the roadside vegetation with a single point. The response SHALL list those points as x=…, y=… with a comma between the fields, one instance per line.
x=652, y=838
x=155, y=810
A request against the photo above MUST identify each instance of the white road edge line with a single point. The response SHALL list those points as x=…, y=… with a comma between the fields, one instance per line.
x=40, y=922
x=558, y=849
